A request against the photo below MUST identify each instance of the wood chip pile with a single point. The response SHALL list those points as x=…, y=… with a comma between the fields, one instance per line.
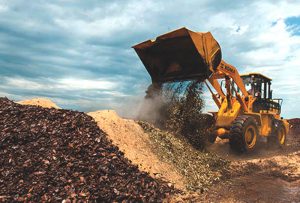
x=59, y=155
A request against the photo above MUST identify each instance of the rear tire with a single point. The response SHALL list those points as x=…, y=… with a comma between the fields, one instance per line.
x=243, y=134
x=279, y=137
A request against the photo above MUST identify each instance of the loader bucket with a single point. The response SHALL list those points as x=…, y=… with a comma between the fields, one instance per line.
x=180, y=55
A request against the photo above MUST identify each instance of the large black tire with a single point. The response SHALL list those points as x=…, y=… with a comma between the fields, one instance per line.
x=243, y=134
x=278, y=138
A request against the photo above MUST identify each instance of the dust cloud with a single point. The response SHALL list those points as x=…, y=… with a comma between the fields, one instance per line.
x=152, y=104
x=144, y=107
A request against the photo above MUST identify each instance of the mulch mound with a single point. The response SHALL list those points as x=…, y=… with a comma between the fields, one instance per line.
x=61, y=155
x=199, y=168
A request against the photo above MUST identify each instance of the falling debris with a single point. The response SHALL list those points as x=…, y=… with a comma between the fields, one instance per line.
x=61, y=156
x=178, y=107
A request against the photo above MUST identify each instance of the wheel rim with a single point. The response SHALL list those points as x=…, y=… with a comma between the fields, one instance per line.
x=281, y=136
x=250, y=137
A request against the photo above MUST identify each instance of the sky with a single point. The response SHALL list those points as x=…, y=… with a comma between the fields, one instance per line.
x=78, y=53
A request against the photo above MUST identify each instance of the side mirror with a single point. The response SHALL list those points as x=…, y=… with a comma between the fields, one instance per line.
x=271, y=94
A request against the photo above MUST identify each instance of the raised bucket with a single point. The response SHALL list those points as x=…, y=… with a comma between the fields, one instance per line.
x=180, y=55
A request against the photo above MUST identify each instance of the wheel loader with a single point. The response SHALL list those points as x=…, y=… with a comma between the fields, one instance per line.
x=247, y=110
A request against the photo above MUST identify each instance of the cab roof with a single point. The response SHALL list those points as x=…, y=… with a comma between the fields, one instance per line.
x=256, y=75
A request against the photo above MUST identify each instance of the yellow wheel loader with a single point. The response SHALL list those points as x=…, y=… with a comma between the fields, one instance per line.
x=246, y=107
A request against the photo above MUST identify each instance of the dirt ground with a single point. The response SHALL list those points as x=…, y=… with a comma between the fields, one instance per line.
x=267, y=175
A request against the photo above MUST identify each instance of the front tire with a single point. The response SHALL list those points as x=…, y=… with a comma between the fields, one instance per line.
x=243, y=134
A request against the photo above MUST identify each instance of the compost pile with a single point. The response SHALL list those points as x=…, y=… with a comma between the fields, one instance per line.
x=200, y=169
x=56, y=155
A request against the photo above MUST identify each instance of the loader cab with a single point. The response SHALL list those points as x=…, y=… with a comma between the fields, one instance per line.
x=259, y=86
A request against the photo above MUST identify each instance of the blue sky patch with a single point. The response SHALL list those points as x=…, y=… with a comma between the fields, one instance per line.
x=294, y=24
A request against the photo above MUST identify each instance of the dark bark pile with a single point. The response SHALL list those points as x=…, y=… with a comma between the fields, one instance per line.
x=55, y=155
x=294, y=126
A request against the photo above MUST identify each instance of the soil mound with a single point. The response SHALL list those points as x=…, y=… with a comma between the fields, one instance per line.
x=135, y=143
x=42, y=102
x=56, y=155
